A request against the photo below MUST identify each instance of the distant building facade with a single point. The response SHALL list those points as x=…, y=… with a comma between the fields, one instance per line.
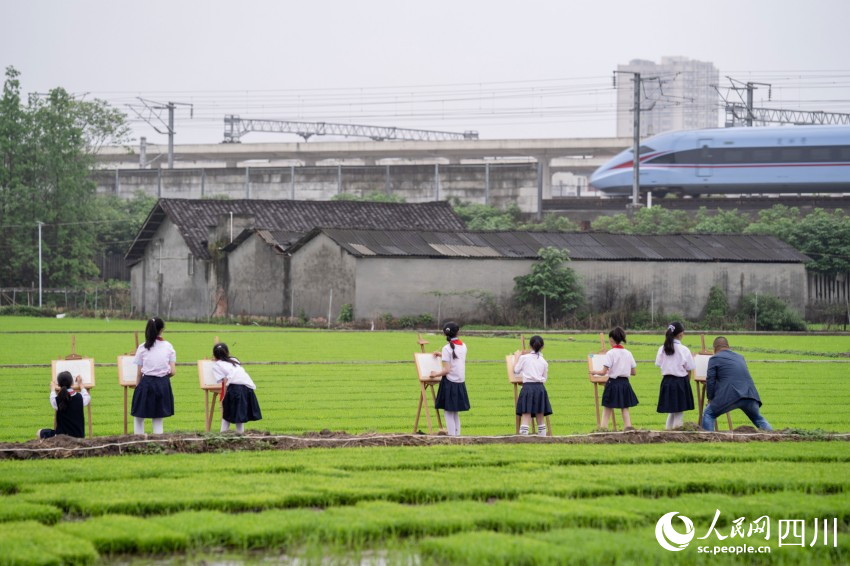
x=685, y=99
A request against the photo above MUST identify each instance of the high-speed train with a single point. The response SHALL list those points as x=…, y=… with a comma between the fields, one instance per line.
x=793, y=159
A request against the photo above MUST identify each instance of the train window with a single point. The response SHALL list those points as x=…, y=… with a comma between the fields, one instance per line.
x=762, y=155
x=790, y=155
x=844, y=153
x=819, y=154
x=667, y=158
x=733, y=155
x=645, y=149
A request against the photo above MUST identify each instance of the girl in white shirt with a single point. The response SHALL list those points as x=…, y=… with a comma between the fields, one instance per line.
x=238, y=402
x=451, y=396
x=153, y=398
x=619, y=365
x=676, y=362
x=533, y=398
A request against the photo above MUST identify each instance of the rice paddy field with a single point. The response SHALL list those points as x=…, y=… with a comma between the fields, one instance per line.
x=505, y=503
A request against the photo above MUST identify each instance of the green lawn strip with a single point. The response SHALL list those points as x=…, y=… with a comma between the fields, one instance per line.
x=325, y=488
x=26, y=476
x=31, y=543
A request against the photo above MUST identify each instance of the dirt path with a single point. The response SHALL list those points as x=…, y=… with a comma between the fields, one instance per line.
x=183, y=443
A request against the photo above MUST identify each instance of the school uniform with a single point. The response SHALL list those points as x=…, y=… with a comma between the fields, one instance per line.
x=452, y=396
x=533, y=398
x=239, y=404
x=153, y=398
x=675, y=395
x=618, y=393
x=71, y=420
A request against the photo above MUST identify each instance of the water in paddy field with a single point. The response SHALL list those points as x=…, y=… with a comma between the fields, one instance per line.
x=312, y=557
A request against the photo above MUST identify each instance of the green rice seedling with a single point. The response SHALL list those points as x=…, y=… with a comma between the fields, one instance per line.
x=113, y=534
x=12, y=509
x=31, y=543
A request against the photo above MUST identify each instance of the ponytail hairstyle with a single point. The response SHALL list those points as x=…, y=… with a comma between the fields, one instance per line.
x=618, y=335
x=536, y=343
x=220, y=352
x=673, y=330
x=64, y=380
x=450, y=330
x=152, y=330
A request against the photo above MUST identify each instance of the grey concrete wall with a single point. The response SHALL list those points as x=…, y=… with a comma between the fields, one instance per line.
x=318, y=267
x=682, y=287
x=256, y=283
x=441, y=287
x=508, y=184
x=184, y=292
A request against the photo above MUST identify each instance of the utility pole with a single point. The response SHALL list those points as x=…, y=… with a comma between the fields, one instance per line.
x=636, y=145
x=40, y=224
x=151, y=112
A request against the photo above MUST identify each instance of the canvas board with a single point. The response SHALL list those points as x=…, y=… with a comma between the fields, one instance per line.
x=206, y=378
x=701, y=371
x=425, y=364
x=510, y=362
x=83, y=367
x=596, y=362
x=127, y=371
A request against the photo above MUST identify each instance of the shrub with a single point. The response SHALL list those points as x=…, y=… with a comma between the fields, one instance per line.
x=346, y=313
x=769, y=313
x=716, y=309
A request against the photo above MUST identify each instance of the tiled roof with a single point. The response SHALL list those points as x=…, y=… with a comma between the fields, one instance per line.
x=288, y=219
x=596, y=246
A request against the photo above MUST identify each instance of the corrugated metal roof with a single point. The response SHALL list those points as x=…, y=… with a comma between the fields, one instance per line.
x=288, y=220
x=595, y=246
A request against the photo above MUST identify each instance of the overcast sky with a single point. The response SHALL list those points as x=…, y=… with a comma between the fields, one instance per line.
x=506, y=69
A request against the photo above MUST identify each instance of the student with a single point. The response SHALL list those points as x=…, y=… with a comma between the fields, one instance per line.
x=675, y=362
x=153, y=398
x=533, y=399
x=238, y=402
x=619, y=365
x=452, y=397
x=68, y=405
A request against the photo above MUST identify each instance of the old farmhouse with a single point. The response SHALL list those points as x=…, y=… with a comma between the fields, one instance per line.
x=197, y=258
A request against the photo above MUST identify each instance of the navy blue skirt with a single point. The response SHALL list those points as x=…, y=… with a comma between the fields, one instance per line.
x=533, y=399
x=152, y=398
x=676, y=395
x=618, y=394
x=452, y=396
x=240, y=405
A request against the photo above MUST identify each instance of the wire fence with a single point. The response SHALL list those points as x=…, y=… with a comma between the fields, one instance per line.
x=94, y=298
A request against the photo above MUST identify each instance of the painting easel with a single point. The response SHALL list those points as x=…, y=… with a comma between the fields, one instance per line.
x=511, y=361
x=77, y=366
x=128, y=375
x=425, y=364
x=595, y=362
x=207, y=381
x=700, y=373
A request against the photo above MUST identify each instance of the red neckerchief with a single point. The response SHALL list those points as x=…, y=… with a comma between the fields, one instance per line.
x=618, y=346
x=457, y=342
x=160, y=338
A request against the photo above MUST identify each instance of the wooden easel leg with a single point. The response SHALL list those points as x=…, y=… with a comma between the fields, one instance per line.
x=206, y=409
x=418, y=412
x=125, y=411
x=424, y=397
x=518, y=418
x=729, y=420
x=88, y=407
x=596, y=399
x=212, y=411
x=548, y=427
x=614, y=420
x=701, y=401
x=436, y=410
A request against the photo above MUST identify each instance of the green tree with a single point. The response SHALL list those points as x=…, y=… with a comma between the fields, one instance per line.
x=48, y=150
x=486, y=217
x=766, y=312
x=120, y=219
x=371, y=196
x=551, y=285
x=720, y=221
x=655, y=220
x=778, y=220
x=716, y=309
x=824, y=237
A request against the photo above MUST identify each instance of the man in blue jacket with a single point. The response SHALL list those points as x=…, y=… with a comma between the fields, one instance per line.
x=729, y=386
